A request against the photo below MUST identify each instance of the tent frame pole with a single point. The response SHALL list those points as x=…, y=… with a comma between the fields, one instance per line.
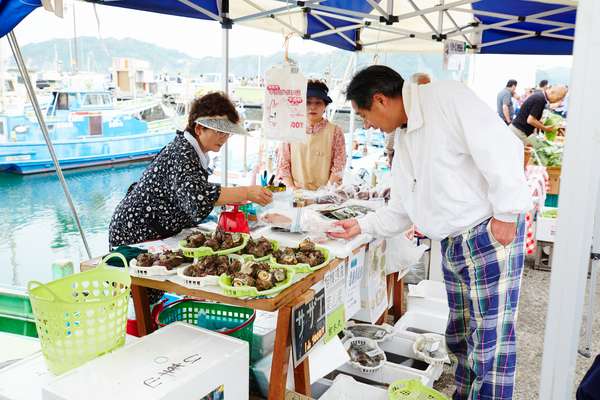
x=225, y=28
x=578, y=201
x=16, y=50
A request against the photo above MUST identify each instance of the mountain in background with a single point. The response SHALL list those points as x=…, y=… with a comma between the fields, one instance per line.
x=96, y=55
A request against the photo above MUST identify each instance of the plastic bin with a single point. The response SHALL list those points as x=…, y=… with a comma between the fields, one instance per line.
x=413, y=390
x=220, y=316
x=82, y=316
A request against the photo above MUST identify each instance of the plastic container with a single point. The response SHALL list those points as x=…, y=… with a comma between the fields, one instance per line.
x=197, y=252
x=209, y=280
x=376, y=350
x=251, y=291
x=155, y=270
x=218, y=314
x=419, y=323
x=378, y=333
x=305, y=268
x=413, y=389
x=82, y=316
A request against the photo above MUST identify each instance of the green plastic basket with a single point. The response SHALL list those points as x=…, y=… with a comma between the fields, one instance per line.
x=197, y=252
x=225, y=282
x=187, y=310
x=413, y=389
x=305, y=268
x=81, y=316
x=274, y=245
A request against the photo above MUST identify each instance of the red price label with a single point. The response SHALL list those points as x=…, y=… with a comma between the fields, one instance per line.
x=296, y=124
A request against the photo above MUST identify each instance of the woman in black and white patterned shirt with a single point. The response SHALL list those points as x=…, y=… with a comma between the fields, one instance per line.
x=173, y=192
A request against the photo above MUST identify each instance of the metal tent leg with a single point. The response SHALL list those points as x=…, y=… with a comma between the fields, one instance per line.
x=16, y=50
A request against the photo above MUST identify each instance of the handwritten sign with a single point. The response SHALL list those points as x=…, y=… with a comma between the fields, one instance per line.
x=308, y=326
x=170, y=370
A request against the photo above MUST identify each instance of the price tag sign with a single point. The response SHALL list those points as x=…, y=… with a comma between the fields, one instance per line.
x=308, y=326
x=335, y=298
x=354, y=276
x=335, y=323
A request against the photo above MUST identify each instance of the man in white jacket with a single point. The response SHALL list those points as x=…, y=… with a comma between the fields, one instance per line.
x=458, y=176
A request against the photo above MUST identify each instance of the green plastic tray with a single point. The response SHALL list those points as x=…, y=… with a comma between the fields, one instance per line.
x=16, y=325
x=197, y=252
x=250, y=291
x=15, y=303
x=305, y=268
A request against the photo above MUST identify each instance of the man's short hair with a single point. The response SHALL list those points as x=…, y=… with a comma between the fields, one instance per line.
x=543, y=83
x=372, y=80
x=511, y=83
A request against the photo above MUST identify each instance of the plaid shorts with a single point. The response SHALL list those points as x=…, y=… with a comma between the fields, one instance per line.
x=483, y=279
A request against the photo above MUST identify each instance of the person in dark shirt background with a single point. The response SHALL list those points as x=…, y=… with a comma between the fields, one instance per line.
x=529, y=117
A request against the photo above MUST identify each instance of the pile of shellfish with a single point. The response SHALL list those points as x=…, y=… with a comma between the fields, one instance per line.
x=306, y=253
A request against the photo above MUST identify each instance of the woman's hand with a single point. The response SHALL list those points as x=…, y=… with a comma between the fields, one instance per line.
x=259, y=195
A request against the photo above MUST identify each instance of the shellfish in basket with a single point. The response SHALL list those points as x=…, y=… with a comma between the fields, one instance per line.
x=213, y=265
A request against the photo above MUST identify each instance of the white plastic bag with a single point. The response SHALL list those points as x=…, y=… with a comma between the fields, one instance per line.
x=402, y=253
x=284, y=109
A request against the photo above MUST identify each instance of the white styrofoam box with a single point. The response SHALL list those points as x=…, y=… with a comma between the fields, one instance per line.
x=428, y=297
x=344, y=387
x=323, y=358
x=177, y=362
x=402, y=345
x=263, y=335
x=545, y=229
x=418, y=322
x=387, y=374
x=24, y=379
x=15, y=347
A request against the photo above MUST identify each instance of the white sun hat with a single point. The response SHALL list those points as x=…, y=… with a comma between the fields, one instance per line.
x=222, y=123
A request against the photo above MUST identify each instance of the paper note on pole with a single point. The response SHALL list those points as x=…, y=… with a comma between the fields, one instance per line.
x=284, y=110
x=455, y=55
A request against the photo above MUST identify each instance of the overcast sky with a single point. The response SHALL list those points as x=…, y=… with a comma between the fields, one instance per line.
x=195, y=37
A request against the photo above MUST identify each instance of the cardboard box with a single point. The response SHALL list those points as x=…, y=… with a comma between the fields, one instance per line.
x=177, y=362
x=373, y=289
x=553, y=179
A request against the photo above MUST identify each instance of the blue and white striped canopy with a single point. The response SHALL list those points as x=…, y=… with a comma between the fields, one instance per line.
x=486, y=26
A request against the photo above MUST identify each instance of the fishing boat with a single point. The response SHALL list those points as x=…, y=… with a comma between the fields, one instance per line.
x=87, y=128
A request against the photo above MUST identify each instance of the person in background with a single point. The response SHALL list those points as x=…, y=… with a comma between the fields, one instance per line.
x=542, y=86
x=322, y=159
x=504, y=102
x=457, y=188
x=529, y=117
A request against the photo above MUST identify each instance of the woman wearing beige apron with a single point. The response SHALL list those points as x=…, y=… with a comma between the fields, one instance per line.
x=321, y=160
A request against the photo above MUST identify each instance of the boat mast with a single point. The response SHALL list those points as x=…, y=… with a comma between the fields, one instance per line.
x=75, y=53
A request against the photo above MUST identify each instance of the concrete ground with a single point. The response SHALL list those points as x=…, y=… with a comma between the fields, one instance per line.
x=530, y=338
